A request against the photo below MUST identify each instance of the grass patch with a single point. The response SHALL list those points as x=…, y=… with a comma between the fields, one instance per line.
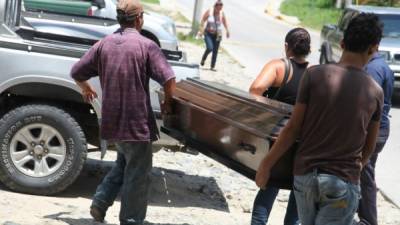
x=152, y=1
x=312, y=13
x=190, y=38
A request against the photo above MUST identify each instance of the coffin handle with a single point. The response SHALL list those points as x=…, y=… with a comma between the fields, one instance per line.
x=248, y=147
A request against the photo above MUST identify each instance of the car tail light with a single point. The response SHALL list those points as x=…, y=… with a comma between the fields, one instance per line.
x=90, y=11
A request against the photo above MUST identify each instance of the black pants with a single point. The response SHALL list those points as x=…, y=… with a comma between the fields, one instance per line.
x=212, y=45
x=367, y=211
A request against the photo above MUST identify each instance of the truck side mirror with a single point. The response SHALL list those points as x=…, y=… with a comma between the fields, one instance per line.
x=332, y=26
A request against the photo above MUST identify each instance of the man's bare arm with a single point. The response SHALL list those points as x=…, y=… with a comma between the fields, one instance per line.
x=88, y=92
x=169, y=88
x=370, y=142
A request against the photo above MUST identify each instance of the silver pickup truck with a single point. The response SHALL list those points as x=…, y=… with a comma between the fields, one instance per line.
x=44, y=124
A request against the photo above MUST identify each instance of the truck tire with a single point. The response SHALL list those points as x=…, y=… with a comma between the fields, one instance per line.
x=42, y=149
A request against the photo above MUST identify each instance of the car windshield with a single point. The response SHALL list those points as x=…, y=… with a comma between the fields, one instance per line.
x=391, y=25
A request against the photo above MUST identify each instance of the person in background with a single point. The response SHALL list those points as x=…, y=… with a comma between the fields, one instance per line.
x=279, y=79
x=124, y=62
x=214, y=19
x=379, y=70
x=336, y=119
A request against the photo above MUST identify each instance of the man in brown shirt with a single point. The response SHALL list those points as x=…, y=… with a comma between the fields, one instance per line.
x=336, y=118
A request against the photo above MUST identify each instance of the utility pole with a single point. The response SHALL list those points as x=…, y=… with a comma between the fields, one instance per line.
x=198, y=6
x=339, y=4
x=348, y=3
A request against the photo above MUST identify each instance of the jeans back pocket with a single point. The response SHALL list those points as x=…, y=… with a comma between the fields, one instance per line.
x=335, y=196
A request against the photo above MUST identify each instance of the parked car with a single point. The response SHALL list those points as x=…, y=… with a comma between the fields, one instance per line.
x=331, y=36
x=45, y=125
x=161, y=29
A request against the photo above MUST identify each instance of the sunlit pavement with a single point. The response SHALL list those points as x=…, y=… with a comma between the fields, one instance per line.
x=388, y=165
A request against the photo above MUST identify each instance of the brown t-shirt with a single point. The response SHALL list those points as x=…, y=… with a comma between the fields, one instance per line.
x=341, y=102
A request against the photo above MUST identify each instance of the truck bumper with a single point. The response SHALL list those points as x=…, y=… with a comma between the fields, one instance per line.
x=396, y=70
x=171, y=45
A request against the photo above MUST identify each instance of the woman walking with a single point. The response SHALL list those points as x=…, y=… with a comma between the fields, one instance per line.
x=214, y=18
x=279, y=80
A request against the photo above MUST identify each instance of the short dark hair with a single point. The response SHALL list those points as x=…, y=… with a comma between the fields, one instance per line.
x=298, y=41
x=363, y=31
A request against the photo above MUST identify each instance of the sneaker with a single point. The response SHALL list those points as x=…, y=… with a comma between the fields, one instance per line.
x=97, y=214
x=213, y=69
x=202, y=63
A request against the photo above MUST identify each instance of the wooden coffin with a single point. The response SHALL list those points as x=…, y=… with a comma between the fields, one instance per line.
x=229, y=125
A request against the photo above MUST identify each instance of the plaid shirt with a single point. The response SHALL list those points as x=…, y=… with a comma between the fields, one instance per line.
x=124, y=62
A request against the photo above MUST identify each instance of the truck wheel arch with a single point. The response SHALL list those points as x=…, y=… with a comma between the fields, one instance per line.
x=150, y=36
x=46, y=87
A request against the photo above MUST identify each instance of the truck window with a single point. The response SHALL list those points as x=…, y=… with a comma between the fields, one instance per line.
x=391, y=26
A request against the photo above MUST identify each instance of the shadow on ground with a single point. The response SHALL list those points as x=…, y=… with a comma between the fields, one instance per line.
x=170, y=188
x=63, y=216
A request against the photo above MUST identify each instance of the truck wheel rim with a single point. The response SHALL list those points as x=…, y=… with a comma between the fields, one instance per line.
x=37, y=150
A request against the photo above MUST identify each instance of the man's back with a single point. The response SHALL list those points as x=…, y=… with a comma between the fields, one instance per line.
x=124, y=62
x=341, y=101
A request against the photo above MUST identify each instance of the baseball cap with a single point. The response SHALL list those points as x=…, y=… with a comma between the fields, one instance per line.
x=129, y=7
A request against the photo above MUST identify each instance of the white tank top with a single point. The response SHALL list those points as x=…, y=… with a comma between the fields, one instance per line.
x=214, y=24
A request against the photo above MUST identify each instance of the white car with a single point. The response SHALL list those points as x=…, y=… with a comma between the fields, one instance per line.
x=162, y=27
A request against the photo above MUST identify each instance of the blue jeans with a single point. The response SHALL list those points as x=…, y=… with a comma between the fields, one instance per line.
x=263, y=205
x=212, y=45
x=367, y=211
x=324, y=199
x=131, y=176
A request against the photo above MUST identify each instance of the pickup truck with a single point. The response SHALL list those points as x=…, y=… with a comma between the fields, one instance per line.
x=159, y=28
x=45, y=125
x=331, y=36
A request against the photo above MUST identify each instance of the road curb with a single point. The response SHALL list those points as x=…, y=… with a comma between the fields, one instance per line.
x=272, y=9
x=387, y=198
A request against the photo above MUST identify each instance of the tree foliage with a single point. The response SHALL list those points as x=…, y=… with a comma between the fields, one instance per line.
x=333, y=3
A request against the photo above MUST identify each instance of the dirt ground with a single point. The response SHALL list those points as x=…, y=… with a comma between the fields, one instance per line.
x=186, y=189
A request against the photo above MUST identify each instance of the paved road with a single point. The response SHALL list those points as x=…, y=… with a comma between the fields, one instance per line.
x=256, y=38
x=388, y=165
